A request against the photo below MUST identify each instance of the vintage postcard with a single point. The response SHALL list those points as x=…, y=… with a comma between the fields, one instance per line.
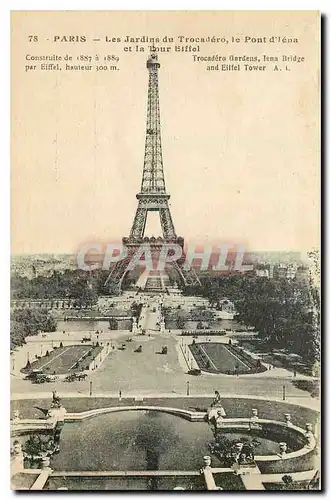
x=165, y=241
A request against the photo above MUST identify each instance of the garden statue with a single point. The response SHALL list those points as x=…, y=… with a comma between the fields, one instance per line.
x=288, y=419
x=217, y=399
x=56, y=400
x=282, y=448
x=16, y=416
x=216, y=412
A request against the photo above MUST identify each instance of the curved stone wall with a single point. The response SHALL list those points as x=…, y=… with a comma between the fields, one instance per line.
x=302, y=459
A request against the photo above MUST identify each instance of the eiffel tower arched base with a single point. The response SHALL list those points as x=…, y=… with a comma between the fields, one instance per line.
x=121, y=277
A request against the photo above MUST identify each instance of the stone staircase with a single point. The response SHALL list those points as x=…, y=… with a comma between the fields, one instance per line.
x=155, y=282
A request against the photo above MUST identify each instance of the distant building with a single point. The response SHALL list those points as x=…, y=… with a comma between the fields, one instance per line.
x=262, y=273
x=282, y=270
x=291, y=271
x=32, y=266
x=226, y=305
x=263, y=270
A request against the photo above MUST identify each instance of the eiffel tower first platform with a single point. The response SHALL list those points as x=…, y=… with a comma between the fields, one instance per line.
x=152, y=197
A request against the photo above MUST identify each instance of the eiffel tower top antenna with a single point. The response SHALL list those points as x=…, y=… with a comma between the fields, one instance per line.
x=153, y=176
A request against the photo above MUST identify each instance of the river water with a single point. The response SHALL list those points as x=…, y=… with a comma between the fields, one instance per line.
x=90, y=325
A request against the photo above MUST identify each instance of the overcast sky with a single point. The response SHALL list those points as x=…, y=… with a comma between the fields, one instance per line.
x=240, y=149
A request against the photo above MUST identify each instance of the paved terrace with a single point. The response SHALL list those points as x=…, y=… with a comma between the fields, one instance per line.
x=149, y=373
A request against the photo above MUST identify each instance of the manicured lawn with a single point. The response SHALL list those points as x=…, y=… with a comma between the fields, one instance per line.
x=218, y=358
x=151, y=373
x=234, y=407
x=63, y=359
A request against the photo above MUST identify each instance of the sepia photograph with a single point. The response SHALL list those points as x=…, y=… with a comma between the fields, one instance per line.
x=165, y=251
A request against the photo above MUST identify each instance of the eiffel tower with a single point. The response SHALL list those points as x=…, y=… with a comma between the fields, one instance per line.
x=152, y=196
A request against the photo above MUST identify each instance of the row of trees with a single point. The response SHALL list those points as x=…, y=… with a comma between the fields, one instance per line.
x=72, y=284
x=136, y=308
x=29, y=322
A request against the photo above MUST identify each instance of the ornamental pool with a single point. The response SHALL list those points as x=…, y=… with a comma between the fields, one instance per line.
x=142, y=440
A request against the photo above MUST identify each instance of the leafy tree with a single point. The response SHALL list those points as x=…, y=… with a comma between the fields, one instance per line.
x=37, y=445
x=70, y=284
x=288, y=482
x=136, y=309
x=286, y=314
x=113, y=324
x=180, y=323
x=27, y=322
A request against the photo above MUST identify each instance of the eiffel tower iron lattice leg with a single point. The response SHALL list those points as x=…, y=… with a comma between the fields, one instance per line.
x=152, y=196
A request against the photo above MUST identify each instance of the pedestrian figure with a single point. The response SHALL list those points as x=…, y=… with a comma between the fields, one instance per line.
x=120, y=395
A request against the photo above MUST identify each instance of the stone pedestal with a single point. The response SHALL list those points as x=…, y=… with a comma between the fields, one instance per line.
x=18, y=457
x=57, y=413
x=134, y=326
x=45, y=462
x=162, y=326
x=309, y=427
x=282, y=449
x=16, y=416
x=254, y=416
x=310, y=439
x=309, y=435
x=288, y=418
